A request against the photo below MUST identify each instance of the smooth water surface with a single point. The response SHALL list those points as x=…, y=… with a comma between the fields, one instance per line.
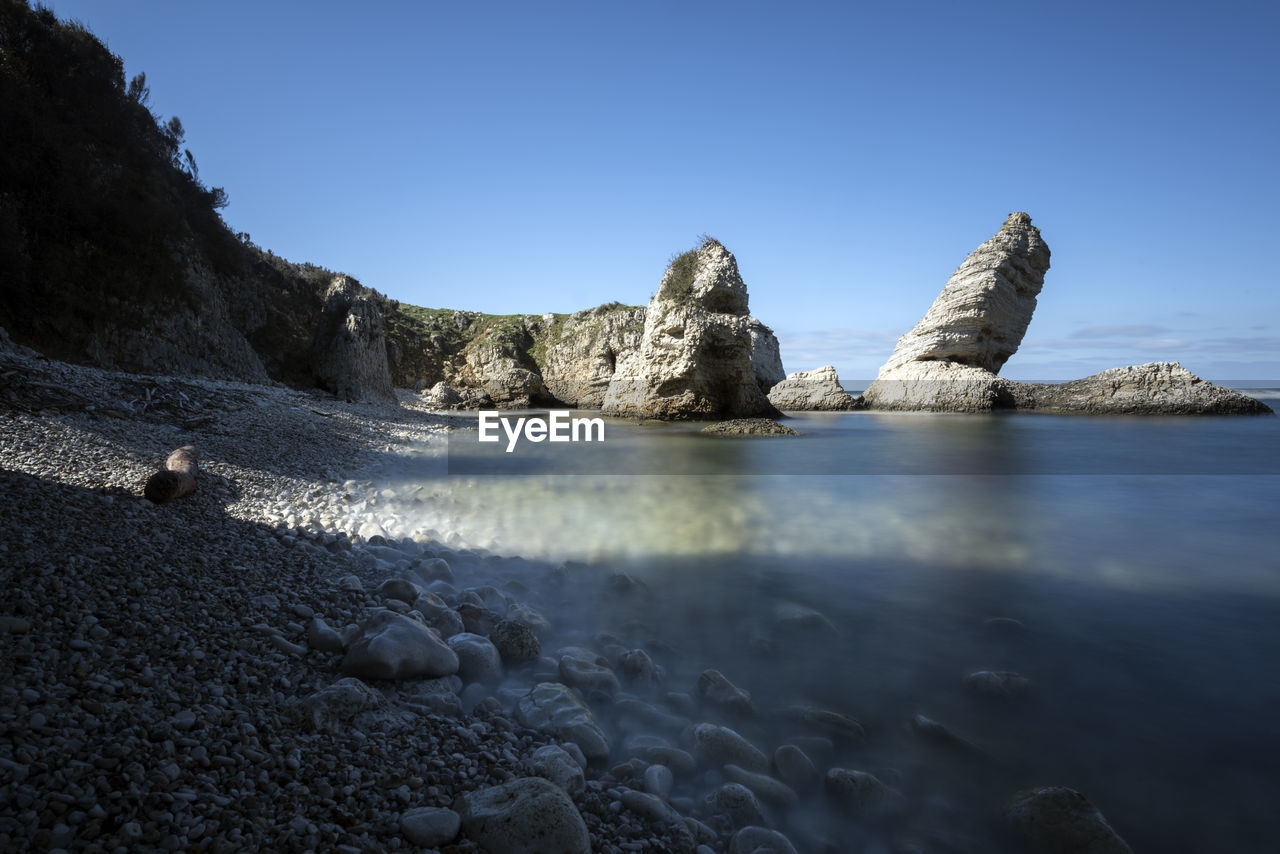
x=1141, y=555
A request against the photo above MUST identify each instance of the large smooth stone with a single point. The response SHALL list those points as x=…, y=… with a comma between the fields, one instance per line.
x=1058, y=820
x=716, y=746
x=555, y=709
x=478, y=658
x=795, y=768
x=429, y=827
x=525, y=816
x=393, y=646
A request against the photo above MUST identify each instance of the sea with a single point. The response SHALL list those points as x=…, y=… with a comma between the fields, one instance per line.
x=1128, y=567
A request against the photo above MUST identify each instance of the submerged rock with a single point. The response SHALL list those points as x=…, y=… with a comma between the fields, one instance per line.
x=863, y=794
x=997, y=684
x=715, y=689
x=695, y=356
x=529, y=815
x=1058, y=820
x=748, y=427
x=717, y=746
x=817, y=390
x=760, y=840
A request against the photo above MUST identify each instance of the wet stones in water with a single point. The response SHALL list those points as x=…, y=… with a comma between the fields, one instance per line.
x=515, y=641
x=477, y=619
x=863, y=794
x=1058, y=820
x=760, y=840
x=639, y=669
x=430, y=827
x=717, y=746
x=393, y=646
x=529, y=815
x=735, y=805
x=478, y=658
x=589, y=673
x=679, y=761
x=762, y=786
x=1003, y=626
x=795, y=768
x=555, y=709
x=939, y=736
x=716, y=690
x=829, y=723
x=431, y=569
x=997, y=684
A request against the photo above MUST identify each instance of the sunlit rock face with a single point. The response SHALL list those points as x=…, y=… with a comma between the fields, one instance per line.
x=949, y=361
x=695, y=355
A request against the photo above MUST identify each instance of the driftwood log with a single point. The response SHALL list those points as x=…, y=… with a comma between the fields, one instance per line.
x=176, y=479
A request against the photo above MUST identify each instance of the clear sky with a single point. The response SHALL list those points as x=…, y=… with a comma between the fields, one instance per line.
x=549, y=156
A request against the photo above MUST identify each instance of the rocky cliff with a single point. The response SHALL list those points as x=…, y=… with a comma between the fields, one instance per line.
x=695, y=355
x=950, y=361
x=349, y=352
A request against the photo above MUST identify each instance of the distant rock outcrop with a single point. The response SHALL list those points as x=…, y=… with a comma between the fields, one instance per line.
x=949, y=362
x=1161, y=388
x=694, y=359
x=349, y=354
x=818, y=390
x=951, y=358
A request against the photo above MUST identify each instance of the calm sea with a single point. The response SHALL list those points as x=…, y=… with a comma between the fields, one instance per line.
x=1141, y=556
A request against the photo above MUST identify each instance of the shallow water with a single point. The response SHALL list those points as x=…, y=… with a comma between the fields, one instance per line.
x=1140, y=554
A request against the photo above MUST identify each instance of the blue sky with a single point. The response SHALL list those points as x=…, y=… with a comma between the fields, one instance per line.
x=531, y=157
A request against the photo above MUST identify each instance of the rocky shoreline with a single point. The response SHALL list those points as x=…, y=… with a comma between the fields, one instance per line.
x=271, y=664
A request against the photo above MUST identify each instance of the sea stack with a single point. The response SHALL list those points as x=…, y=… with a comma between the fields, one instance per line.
x=951, y=359
x=695, y=356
